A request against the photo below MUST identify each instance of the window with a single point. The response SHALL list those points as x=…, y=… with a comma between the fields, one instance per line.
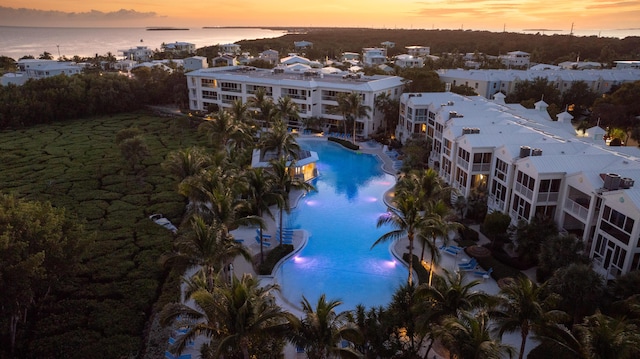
x=548, y=191
x=294, y=93
x=230, y=87
x=501, y=170
x=525, y=184
x=251, y=89
x=521, y=207
x=498, y=191
x=616, y=224
x=208, y=83
x=461, y=177
x=447, y=147
x=482, y=162
x=209, y=95
x=437, y=146
x=545, y=211
x=228, y=99
x=421, y=115
x=462, y=153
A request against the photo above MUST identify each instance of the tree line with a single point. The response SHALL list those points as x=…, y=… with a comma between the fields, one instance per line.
x=61, y=98
x=332, y=42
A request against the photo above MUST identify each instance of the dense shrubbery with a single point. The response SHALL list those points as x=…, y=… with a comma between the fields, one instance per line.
x=500, y=270
x=61, y=98
x=273, y=257
x=348, y=144
x=77, y=165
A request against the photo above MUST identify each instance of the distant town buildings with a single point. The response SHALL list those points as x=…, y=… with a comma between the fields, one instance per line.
x=179, y=47
x=516, y=59
x=486, y=83
x=270, y=56
x=231, y=49
x=533, y=165
x=138, y=53
x=38, y=69
x=195, y=63
x=374, y=56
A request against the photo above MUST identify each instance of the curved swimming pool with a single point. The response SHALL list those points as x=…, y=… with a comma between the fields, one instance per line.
x=341, y=220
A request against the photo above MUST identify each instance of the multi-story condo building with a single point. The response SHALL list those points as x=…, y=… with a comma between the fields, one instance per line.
x=38, y=69
x=418, y=51
x=486, y=83
x=406, y=60
x=532, y=165
x=516, y=59
x=138, y=53
x=314, y=92
x=179, y=47
x=374, y=56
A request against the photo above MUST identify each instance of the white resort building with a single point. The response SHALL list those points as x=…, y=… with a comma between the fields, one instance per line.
x=38, y=69
x=486, y=83
x=314, y=92
x=531, y=164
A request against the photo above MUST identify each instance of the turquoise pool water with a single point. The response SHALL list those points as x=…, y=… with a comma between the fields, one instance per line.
x=341, y=219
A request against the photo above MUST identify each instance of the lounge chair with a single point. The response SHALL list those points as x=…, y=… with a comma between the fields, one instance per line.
x=470, y=265
x=264, y=234
x=264, y=243
x=451, y=250
x=481, y=273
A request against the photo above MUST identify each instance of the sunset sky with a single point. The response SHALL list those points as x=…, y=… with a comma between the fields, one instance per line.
x=513, y=15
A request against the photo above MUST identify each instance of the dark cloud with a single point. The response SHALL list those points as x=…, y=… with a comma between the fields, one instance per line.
x=33, y=17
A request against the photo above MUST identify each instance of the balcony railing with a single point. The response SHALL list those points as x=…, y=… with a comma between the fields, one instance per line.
x=548, y=197
x=575, y=209
x=524, y=191
x=462, y=163
x=481, y=167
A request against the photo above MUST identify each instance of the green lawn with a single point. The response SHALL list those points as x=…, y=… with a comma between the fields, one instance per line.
x=77, y=165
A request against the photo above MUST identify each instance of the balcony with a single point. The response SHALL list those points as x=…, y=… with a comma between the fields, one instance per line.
x=524, y=191
x=548, y=197
x=481, y=167
x=463, y=164
x=576, y=209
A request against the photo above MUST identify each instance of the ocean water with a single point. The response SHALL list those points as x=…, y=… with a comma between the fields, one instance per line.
x=16, y=42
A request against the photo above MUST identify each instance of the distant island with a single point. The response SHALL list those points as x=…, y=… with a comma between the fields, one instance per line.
x=166, y=28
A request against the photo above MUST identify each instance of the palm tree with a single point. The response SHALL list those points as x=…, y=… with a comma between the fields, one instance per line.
x=406, y=220
x=598, y=336
x=209, y=246
x=390, y=107
x=223, y=128
x=610, y=337
x=435, y=226
x=427, y=185
x=238, y=317
x=186, y=163
x=264, y=104
x=522, y=306
x=469, y=336
x=284, y=183
x=351, y=107
x=323, y=329
x=262, y=193
x=286, y=110
x=279, y=140
x=451, y=294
